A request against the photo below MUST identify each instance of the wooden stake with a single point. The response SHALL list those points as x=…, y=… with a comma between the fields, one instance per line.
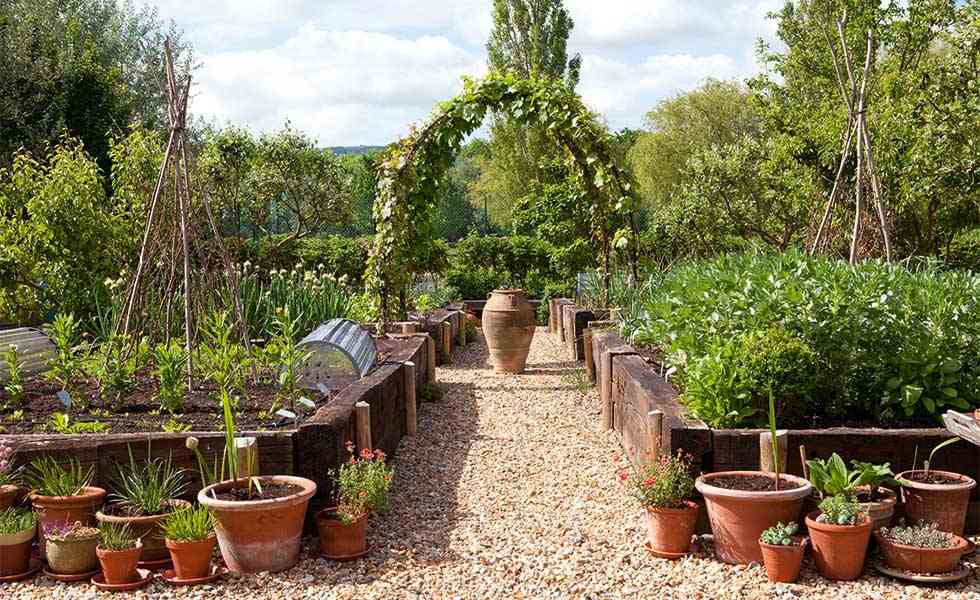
x=766, y=462
x=362, y=414
x=447, y=341
x=655, y=429
x=461, y=332
x=589, y=362
x=806, y=467
x=411, y=406
x=247, y=453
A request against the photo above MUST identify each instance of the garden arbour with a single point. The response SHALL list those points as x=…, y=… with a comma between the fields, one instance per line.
x=410, y=171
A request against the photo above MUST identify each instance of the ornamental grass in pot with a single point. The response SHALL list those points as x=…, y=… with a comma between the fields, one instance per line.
x=119, y=552
x=71, y=548
x=62, y=494
x=17, y=529
x=189, y=535
x=782, y=552
x=920, y=548
x=664, y=488
x=940, y=497
x=144, y=494
x=362, y=485
x=839, y=533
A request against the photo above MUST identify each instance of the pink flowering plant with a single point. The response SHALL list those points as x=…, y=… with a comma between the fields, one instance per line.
x=663, y=483
x=362, y=484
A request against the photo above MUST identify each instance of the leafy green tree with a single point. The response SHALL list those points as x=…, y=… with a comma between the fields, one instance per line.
x=225, y=162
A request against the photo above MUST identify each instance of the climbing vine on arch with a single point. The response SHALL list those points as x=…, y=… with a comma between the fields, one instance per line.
x=410, y=171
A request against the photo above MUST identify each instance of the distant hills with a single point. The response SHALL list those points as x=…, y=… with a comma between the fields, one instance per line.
x=345, y=150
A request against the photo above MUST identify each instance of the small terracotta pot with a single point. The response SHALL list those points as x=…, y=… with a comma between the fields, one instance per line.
x=119, y=566
x=339, y=541
x=738, y=517
x=59, y=510
x=921, y=560
x=259, y=535
x=839, y=550
x=669, y=530
x=73, y=556
x=192, y=560
x=8, y=496
x=15, y=552
x=147, y=528
x=944, y=505
x=881, y=511
x=783, y=562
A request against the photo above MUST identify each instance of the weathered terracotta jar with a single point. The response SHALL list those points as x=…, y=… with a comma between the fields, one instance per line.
x=669, y=530
x=339, y=541
x=921, y=560
x=783, y=562
x=508, y=325
x=942, y=504
x=839, y=550
x=147, y=528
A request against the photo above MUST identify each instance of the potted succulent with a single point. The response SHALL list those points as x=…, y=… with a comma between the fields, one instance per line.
x=865, y=483
x=664, y=488
x=62, y=494
x=189, y=535
x=362, y=485
x=782, y=552
x=71, y=548
x=9, y=480
x=920, y=548
x=118, y=551
x=17, y=528
x=258, y=520
x=840, y=533
x=939, y=497
x=145, y=493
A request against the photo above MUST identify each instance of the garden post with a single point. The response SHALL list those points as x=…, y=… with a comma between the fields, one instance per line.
x=606, y=389
x=765, y=451
x=411, y=408
x=362, y=415
x=461, y=332
x=655, y=428
x=589, y=363
x=447, y=341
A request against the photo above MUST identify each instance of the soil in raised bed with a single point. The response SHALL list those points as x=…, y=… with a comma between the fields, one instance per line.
x=753, y=483
x=269, y=492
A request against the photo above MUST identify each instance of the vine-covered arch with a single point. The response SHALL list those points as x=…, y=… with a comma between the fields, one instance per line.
x=410, y=170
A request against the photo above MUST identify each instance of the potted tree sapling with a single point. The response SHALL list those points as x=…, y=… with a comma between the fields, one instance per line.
x=839, y=533
x=9, y=477
x=62, y=494
x=664, y=488
x=190, y=538
x=362, y=485
x=17, y=528
x=118, y=551
x=920, y=548
x=939, y=497
x=145, y=492
x=782, y=552
x=71, y=549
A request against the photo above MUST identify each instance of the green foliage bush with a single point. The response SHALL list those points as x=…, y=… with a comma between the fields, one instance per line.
x=776, y=360
x=479, y=264
x=963, y=251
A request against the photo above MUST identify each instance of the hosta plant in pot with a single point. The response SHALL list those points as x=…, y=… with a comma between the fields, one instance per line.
x=189, y=535
x=782, y=552
x=362, y=485
x=9, y=477
x=839, y=533
x=664, y=488
x=864, y=482
x=144, y=493
x=939, y=497
x=17, y=528
x=62, y=493
x=118, y=551
x=920, y=548
x=71, y=548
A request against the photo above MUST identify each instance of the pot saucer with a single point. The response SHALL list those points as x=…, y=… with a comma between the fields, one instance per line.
x=347, y=557
x=970, y=548
x=71, y=578
x=155, y=565
x=34, y=568
x=216, y=572
x=667, y=555
x=960, y=573
x=145, y=577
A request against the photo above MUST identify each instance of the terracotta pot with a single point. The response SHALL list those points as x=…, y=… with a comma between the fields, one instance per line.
x=192, y=560
x=259, y=535
x=921, y=560
x=119, y=566
x=508, y=325
x=783, y=562
x=839, y=550
x=881, y=510
x=59, y=510
x=738, y=517
x=15, y=552
x=339, y=541
x=147, y=528
x=8, y=496
x=669, y=530
x=73, y=556
x=944, y=505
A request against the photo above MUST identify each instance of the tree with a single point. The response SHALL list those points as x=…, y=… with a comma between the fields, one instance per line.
x=225, y=163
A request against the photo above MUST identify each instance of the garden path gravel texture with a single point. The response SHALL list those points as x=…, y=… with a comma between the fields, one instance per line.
x=510, y=491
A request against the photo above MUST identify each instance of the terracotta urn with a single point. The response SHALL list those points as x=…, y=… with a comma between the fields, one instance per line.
x=60, y=510
x=508, y=325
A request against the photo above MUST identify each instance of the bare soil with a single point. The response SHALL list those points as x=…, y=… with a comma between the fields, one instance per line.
x=753, y=483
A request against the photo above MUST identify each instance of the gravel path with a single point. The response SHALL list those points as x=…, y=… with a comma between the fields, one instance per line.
x=510, y=491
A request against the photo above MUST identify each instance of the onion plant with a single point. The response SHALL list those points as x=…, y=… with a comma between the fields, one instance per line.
x=16, y=520
x=146, y=487
x=116, y=536
x=47, y=477
x=188, y=525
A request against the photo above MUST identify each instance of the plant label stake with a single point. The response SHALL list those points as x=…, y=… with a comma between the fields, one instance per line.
x=323, y=389
x=307, y=402
x=65, y=398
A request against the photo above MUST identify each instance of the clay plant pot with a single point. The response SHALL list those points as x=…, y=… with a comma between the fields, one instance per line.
x=15, y=552
x=738, y=517
x=147, y=528
x=881, y=510
x=59, y=510
x=921, y=560
x=783, y=562
x=944, y=504
x=119, y=566
x=508, y=325
x=839, y=550
x=8, y=496
x=262, y=534
x=339, y=541
x=73, y=556
x=192, y=560
x=669, y=530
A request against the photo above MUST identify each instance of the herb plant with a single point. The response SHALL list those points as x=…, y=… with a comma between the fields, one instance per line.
x=116, y=536
x=362, y=484
x=46, y=477
x=66, y=366
x=839, y=510
x=832, y=477
x=920, y=535
x=14, y=384
x=147, y=486
x=114, y=364
x=664, y=483
x=169, y=362
x=780, y=534
x=188, y=525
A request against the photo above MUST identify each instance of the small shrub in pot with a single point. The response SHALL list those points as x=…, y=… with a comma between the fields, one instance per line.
x=189, y=535
x=782, y=552
x=17, y=528
x=920, y=548
x=119, y=551
x=664, y=489
x=839, y=532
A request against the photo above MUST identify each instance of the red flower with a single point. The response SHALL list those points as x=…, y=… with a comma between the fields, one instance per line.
x=623, y=475
x=379, y=454
x=649, y=482
x=366, y=454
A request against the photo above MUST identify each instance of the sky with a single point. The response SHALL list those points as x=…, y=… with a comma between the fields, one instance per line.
x=359, y=72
